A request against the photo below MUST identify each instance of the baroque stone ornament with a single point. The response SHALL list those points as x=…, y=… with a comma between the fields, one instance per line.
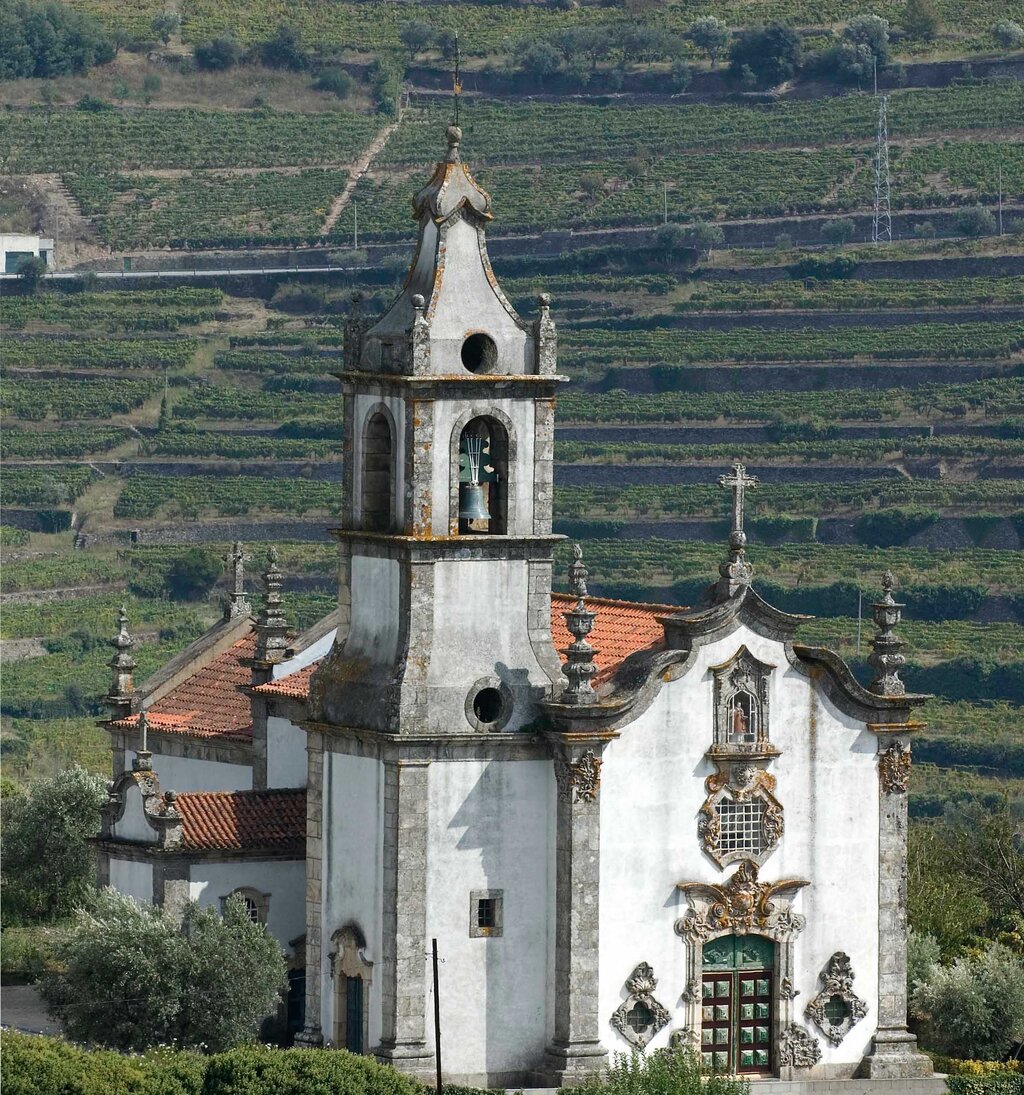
x=837, y=1008
x=122, y=685
x=741, y=817
x=579, y=780
x=736, y=573
x=237, y=604
x=741, y=705
x=742, y=904
x=579, y=668
x=885, y=655
x=894, y=768
x=639, y=1017
x=685, y=1038
x=271, y=624
x=786, y=990
x=798, y=1048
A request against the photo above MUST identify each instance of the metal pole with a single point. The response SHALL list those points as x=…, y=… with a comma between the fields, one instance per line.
x=355, y=225
x=437, y=1017
x=664, y=191
x=1000, y=199
x=860, y=602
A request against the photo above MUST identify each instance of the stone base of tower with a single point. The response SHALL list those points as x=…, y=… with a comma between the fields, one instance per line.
x=567, y=1066
x=413, y=1059
x=894, y=1055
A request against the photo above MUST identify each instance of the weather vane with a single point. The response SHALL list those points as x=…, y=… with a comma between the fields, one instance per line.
x=456, y=82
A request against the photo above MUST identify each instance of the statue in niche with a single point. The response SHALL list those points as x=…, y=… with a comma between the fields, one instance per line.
x=741, y=720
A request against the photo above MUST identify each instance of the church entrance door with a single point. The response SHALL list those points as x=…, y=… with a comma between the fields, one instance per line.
x=737, y=1004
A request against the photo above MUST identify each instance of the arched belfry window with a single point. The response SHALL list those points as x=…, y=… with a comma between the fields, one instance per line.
x=378, y=464
x=483, y=477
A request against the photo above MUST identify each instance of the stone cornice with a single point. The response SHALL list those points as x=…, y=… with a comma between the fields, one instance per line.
x=424, y=549
x=139, y=852
x=745, y=607
x=846, y=691
x=354, y=740
x=472, y=382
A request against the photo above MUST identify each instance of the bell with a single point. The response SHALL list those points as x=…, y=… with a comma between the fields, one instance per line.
x=471, y=503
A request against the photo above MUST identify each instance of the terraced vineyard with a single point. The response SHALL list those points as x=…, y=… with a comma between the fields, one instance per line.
x=877, y=392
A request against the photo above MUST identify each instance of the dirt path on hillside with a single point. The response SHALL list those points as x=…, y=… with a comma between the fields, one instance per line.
x=362, y=165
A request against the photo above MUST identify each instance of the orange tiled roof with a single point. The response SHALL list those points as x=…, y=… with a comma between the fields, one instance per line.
x=621, y=628
x=210, y=703
x=237, y=820
x=294, y=686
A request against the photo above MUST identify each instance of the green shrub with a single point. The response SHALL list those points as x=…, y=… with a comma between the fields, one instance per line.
x=892, y=527
x=974, y=1007
x=664, y=1072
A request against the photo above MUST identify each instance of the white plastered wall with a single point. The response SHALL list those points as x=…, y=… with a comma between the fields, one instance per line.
x=283, y=879
x=132, y=878
x=193, y=774
x=467, y=645
x=373, y=633
x=466, y=294
x=352, y=871
x=132, y=824
x=286, y=753
x=491, y=827
x=652, y=788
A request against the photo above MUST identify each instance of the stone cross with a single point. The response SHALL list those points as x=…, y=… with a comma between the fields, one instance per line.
x=736, y=572
x=237, y=605
x=737, y=483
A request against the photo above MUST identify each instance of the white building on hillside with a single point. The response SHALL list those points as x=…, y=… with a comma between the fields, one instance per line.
x=14, y=248
x=624, y=824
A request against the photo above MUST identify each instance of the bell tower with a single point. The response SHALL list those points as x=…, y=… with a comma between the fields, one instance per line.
x=446, y=543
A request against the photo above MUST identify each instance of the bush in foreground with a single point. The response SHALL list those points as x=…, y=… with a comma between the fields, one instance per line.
x=45, y=1066
x=663, y=1072
x=129, y=976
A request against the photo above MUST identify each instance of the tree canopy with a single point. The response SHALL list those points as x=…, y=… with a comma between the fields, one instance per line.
x=50, y=39
x=129, y=976
x=48, y=868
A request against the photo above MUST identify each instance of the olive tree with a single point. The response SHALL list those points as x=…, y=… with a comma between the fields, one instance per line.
x=1008, y=34
x=129, y=976
x=48, y=868
x=711, y=35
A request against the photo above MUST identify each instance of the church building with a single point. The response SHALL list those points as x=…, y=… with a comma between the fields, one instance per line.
x=625, y=825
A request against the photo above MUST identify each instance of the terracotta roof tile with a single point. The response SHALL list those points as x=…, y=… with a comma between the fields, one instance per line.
x=209, y=704
x=621, y=628
x=237, y=820
x=294, y=686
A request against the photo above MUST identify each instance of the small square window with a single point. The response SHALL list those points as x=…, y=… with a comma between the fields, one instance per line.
x=486, y=914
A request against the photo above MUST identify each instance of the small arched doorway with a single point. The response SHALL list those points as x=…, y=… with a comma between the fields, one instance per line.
x=377, y=482
x=738, y=1004
x=352, y=973
x=483, y=478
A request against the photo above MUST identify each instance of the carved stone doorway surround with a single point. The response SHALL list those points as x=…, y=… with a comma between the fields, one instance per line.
x=742, y=905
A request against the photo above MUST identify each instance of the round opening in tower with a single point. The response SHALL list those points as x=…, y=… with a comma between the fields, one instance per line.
x=488, y=704
x=479, y=353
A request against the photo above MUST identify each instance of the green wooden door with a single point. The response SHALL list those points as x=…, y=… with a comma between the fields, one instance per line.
x=736, y=1004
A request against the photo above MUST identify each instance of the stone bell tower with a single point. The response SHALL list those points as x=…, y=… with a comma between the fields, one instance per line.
x=446, y=537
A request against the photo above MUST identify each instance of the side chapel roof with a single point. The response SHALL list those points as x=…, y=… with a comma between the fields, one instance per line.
x=238, y=820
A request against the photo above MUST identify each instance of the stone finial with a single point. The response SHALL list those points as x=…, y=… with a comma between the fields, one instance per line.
x=237, y=603
x=271, y=624
x=143, y=761
x=545, y=336
x=579, y=669
x=736, y=572
x=122, y=686
x=354, y=331
x=453, y=135
x=885, y=654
